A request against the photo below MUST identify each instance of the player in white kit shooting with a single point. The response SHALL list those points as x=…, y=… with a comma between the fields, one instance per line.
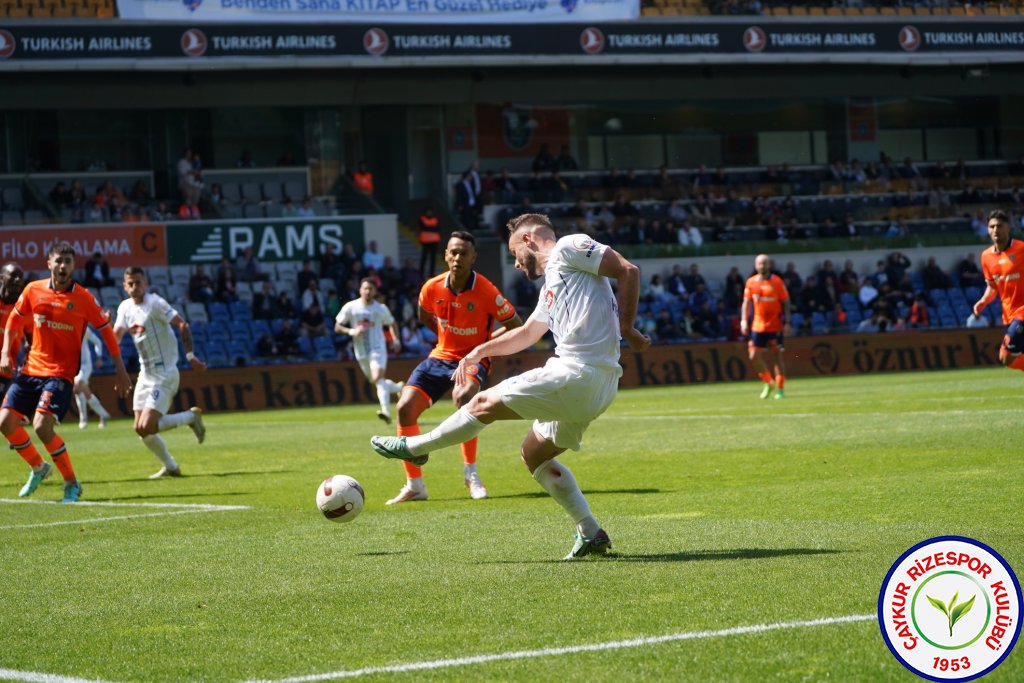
x=574, y=387
x=149, y=319
x=84, y=398
x=364, y=319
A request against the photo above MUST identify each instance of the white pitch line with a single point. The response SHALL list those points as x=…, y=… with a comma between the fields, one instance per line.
x=172, y=509
x=747, y=416
x=38, y=677
x=572, y=649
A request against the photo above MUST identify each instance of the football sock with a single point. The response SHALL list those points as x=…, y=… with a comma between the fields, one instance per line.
x=765, y=376
x=411, y=471
x=458, y=427
x=94, y=403
x=1018, y=362
x=384, y=396
x=468, y=469
x=22, y=443
x=558, y=481
x=469, y=451
x=780, y=381
x=59, y=454
x=416, y=484
x=156, y=444
x=82, y=403
x=186, y=417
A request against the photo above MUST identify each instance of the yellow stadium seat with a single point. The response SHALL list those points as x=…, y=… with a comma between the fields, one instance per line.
x=798, y=11
x=840, y=11
x=957, y=11
x=923, y=11
x=869, y=11
x=887, y=11
x=780, y=11
x=816, y=11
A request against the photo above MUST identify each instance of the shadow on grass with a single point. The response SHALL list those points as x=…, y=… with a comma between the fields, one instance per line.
x=692, y=555
x=163, y=494
x=589, y=492
x=188, y=475
x=382, y=553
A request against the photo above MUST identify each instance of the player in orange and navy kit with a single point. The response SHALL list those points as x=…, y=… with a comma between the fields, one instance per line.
x=770, y=299
x=12, y=282
x=461, y=307
x=58, y=310
x=1003, y=267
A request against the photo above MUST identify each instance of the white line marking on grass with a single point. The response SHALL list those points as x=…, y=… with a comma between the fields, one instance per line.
x=37, y=677
x=168, y=509
x=572, y=649
x=748, y=416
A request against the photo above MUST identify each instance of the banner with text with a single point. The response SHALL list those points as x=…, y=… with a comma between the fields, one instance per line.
x=381, y=11
x=120, y=245
x=287, y=239
x=326, y=384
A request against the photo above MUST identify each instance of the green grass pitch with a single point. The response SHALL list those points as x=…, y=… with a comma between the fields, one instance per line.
x=725, y=511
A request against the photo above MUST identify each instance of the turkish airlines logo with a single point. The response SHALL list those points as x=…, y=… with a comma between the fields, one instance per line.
x=592, y=40
x=910, y=38
x=193, y=42
x=7, y=44
x=754, y=39
x=376, y=41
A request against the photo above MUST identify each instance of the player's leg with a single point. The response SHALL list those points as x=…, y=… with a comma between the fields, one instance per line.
x=780, y=369
x=538, y=454
x=1011, y=353
x=461, y=395
x=411, y=404
x=19, y=401
x=81, y=402
x=374, y=368
x=162, y=389
x=147, y=426
x=54, y=401
x=97, y=407
x=756, y=347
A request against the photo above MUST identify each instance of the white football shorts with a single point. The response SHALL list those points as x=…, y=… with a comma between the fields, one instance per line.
x=376, y=359
x=156, y=390
x=562, y=398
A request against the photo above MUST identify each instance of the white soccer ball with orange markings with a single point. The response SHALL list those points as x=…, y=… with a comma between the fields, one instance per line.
x=340, y=498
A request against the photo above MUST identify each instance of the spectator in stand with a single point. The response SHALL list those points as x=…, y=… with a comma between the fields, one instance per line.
x=565, y=160
x=217, y=197
x=970, y=275
x=413, y=341
x=266, y=346
x=700, y=211
x=189, y=184
x=200, y=286
x=677, y=212
x=189, y=211
x=247, y=266
x=794, y=283
x=876, y=323
x=331, y=265
x=289, y=210
x=285, y=306
x=60, y=197
x=828, y=274
x=698, y=297
x=867, y=293
x=305, y=274
x=264, y=303
x=475, y=181
x=919, y=312
x=227, y=284
x=506, y=188
x=97, y=272
x=675, y=284
x=544, y=161
x=333, y=305
x=850, y=229
x=287, y=339
x=896, y=269
x=312, y=321
x=245, y=160
x=693, y=278
x=897, y=228
x=372, y=258
x=934, y=277
x=411, y=279
x=706, y=322
x=312, y=296
x=666, y=328
x=159, y=213
x=363, y=180
x=466, y=203
x=430, y=237
x=306, y=210
x=979, y=226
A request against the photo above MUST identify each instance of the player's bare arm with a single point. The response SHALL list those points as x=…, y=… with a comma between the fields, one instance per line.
x=512, y=341
x=427, y=318
x=12, y=331
x=744, y=316
x=786, y=308
x=185, y=332
x=614, y=265
x=988, y=297
x=396, y=337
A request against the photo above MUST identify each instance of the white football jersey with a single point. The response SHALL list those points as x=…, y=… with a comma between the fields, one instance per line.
x=578, y=305
x=149, y=323
x=373, y=318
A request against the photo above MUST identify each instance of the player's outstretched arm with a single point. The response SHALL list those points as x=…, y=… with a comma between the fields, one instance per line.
x=988, y=297
x=627, y=275
x=185, y=332
x=512, y=341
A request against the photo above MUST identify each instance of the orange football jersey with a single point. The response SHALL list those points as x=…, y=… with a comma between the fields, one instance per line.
x=465, y=319
x=1002, y=270
x=767, y=296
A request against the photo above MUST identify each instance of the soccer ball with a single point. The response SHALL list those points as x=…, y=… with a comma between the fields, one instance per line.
x=340, y=498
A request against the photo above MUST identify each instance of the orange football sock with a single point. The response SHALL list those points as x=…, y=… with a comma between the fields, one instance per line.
x=469, y=451
x=59, y=453
x=22, y=443
x=1018, y=363
x=411, y=471
x=765, y=376
x=780, y=381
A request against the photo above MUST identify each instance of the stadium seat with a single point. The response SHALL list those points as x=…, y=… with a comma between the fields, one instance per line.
x=258, y=328
x=240, y=310
x=217, y=331
x=218, y=311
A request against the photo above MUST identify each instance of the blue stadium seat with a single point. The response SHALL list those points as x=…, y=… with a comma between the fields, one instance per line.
x=305, y=346
x=239, y=330
x=218, y=312
x=217, y=355
x=258, y=328
x=217, y=331
x=240, y=310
